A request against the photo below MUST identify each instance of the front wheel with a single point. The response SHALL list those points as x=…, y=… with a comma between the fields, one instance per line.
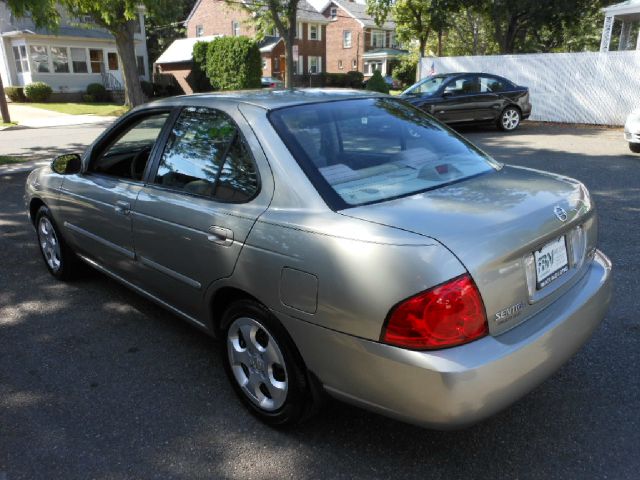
x=263, y=365
x=634, y=147
x=58, y=257
x=509, y=119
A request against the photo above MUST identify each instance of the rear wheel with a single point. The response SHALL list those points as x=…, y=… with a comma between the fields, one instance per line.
x=60, y=260
x=634, y=147
x=263, y=365
x=509, y=119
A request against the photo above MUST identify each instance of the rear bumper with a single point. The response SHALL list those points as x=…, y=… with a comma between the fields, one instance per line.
x=459, y=386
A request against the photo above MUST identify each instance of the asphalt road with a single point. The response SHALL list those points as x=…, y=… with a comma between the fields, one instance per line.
x=96, y=382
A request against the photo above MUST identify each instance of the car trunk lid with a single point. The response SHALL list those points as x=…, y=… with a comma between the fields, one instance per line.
x=493, y=223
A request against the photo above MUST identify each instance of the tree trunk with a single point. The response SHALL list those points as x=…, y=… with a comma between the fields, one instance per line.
x=288, y=48
x=4, y=109
x=126, y=50
x=439, y=43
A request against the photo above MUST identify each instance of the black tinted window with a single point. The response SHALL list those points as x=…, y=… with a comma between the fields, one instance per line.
x=463, y=86
x=489, y=84
x=201, y=141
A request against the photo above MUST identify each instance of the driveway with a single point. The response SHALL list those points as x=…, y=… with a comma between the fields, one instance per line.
x=96, y=382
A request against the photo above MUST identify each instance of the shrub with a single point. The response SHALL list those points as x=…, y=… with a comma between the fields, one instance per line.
x=98, y=92
x=377, y=84
x=147, y=88
x=88, y=98
x=355, y=79
x=15, y=94
x=37, y=92
x=339, y=80
x=405, y=71
x=232, y=63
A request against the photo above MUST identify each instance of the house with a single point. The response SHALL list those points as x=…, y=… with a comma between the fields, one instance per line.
x=354, y=41
x=68, y=59
x=216, y=17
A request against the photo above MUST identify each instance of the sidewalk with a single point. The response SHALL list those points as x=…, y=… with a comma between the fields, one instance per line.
x=30, y=117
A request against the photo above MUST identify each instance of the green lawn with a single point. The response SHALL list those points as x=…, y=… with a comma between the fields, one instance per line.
x=6, y=160
x=395, y=92
x=103, y=109
x=10, y=124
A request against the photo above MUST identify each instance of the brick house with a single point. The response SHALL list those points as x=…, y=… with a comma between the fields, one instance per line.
x=215, y=17
x=354, y=41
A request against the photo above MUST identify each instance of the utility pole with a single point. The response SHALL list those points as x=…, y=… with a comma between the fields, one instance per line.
x=4, y=109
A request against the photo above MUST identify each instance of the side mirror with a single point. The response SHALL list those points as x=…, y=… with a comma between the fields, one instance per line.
x=447, y=93
x=67, y=164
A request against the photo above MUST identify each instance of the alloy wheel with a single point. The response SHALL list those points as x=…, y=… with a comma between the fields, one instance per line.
x=257, y=363
x=510, y=119
x=49, y=244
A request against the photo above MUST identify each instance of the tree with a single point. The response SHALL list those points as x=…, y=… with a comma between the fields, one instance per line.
x=119, y=17
x=230, y=63
x=415, y=19
x=4, y=110
x=282, y=15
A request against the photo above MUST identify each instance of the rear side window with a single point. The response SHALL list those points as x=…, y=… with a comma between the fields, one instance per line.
x=491, y=85
x=374, y=149
x=206, y=155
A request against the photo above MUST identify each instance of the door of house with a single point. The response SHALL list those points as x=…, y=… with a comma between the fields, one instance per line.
x=283, y=68
x=113, y=66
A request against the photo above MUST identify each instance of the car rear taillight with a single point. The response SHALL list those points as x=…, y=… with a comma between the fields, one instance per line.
x=447, y=315
x=272, y=85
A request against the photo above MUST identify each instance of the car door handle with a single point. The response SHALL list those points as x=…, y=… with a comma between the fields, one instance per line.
x=123, y=208
x=220, y=235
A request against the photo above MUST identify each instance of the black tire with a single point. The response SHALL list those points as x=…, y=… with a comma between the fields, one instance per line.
x=634, y=147
x=509, y=120
x=292, y=406
x=66, y=264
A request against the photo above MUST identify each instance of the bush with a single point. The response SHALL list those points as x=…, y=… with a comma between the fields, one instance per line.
x=88, y=98
x=405, y=71
x=37, y=92
x=377, y=84
x=355, y=79
x=147, y=88
x=232, y=63
x=15, y=94
x=98, y=92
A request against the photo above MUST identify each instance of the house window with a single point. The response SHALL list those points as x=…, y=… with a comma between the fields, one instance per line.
x=333, y=13
x=354, y=64
x=112, y=60
x=235, y=28
x=39, y=58
x=346, y=39
x=79, y=60
x=340, y=67
x=199, y=30
x=264, y=63
x=314, y=32
x=60, y=59
x=315, y=64
x=96, y=58
x=140, y=62
x=370, y=67
x=299, y=31
x=300, y=65
x=378, y=38
x=393, y=43
x=21, y=59
x=276, y=64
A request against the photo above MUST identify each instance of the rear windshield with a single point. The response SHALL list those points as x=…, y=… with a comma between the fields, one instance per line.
x=369, y=150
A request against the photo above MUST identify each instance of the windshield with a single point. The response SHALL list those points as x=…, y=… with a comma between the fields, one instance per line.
x=374, y=149
x=429, y=85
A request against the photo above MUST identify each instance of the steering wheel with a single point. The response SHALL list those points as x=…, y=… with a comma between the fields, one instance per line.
x=139, y=162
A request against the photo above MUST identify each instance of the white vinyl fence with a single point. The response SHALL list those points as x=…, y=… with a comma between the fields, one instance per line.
x=596, y=88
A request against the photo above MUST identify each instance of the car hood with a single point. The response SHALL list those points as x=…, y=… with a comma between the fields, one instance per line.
x=491, y=223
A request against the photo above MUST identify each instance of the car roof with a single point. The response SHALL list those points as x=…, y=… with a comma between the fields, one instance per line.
x=268, y=99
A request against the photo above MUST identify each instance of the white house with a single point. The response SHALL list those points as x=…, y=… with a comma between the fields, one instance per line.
x=68, y=59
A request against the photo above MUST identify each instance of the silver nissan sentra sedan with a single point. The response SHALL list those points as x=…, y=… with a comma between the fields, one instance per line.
x=336, y=242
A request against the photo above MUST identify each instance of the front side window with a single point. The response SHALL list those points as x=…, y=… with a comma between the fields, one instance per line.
x=370, y=150
x=39, y=58
x=207, y=156
x=346, y=39
x=127, y=154
x=79, y=60
x=427, y=86
x=60, y=59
